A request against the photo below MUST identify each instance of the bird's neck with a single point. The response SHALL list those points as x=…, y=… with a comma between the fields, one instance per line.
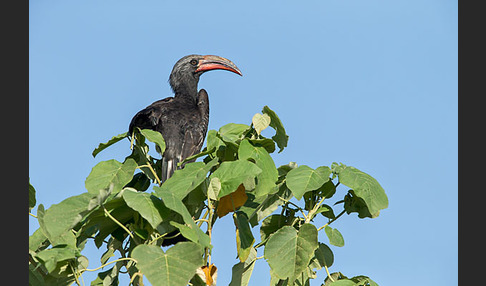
x=188, y=95
x=185, y=88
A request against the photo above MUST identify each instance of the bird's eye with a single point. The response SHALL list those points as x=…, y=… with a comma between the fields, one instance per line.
x=193, y=62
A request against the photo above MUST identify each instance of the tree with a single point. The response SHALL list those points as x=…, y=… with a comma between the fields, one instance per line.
x=237, y=175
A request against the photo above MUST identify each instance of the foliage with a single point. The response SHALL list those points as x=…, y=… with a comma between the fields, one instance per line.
x=236, y=175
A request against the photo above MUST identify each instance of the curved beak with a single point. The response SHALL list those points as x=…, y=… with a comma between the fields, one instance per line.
x=211, y=62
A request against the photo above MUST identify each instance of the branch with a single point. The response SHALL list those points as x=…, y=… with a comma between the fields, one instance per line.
x=312, y=212
x=299, y=208
x=331, y=221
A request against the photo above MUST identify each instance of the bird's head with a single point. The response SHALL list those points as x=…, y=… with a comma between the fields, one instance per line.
x=186, y=72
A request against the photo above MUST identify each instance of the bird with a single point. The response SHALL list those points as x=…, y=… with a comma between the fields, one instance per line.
x=183, y=118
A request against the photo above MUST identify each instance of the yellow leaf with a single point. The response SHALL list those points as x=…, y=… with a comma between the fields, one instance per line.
x=232, y=201
x=208, y=274
x=260, y=122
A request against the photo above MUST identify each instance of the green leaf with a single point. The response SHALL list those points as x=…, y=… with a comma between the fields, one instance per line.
x=232, y=132
x=148, y=206
x=335, y=237
x=106, y=277
x=260, y=122
x=289, y=252
x=283, y=170
x=327, y=190
x=364, y=187
x=323, y=256
x=172, y=202
x=63, y=216
x=35, y=278
x=214, y=188
x=186, y=231
x=183, y=181
x=326, y=211
x=154, y=137
x=172, y=268
x=105, y=225
x=241, y=272
x=113, y=140
x=233, y=173
x=362, y=280
x=37, y=240
x=213, y=141
x=269, y=175
x=266, y=143
x=259, y=208
x=271, y=224
x=244, y=237
x=280, y=137
x=342, y=282
x=110, y=172
x=303, y=179
x=50, y=257
x=32, y=200
x=175, y=204
x=139, y=182
x=195, y=156
x=354, y=204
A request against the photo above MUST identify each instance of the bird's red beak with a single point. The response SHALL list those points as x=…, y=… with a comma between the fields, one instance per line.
x=210, y=62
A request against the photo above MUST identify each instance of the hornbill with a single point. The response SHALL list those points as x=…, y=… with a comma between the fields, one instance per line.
x=183, y=119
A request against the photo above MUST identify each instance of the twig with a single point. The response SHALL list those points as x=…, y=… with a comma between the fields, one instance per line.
x=299, y=208
x=328, y=275
x=152, y=170
x=119, y=223
x=210, y=219
x=133, y=277
x=311, y=213
x=117, y=260
x=203, y=218
x=331, y=221
x=75, y=273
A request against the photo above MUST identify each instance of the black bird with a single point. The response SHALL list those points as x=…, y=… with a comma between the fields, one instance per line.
x=183, y=119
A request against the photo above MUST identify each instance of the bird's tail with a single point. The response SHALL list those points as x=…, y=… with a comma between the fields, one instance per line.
x=168, y=168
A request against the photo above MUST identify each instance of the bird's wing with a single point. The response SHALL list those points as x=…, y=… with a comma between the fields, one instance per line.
x=149, y=117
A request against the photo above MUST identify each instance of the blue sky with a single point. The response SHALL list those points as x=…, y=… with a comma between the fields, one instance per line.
x=371, y=84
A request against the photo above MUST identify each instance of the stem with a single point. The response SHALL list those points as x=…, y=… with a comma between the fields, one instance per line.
x=32, y=215
x=328, y=275
x=174, y=236
x=210, y=219
x=157, y=238
x=203, y=219
x=312, y=212
x=299, y=208
x=153, y=172
x=75, y=274
x=118, y=223
x=117, y=260
x=134, y=276
x=331, y=221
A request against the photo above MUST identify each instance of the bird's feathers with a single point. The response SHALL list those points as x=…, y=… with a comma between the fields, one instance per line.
x=182, y=126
